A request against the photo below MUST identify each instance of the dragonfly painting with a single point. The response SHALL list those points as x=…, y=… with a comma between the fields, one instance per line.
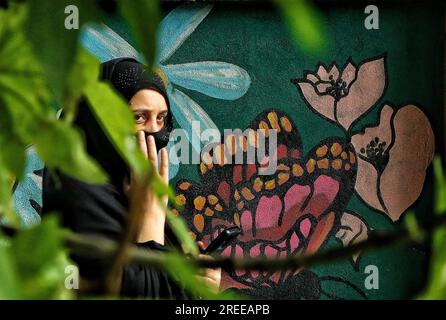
x=216, y=79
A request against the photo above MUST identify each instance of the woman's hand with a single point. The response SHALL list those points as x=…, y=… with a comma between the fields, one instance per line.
x=142, y=199
x=210, y=276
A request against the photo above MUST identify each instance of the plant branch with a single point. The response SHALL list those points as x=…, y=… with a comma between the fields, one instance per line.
x=98, y=247
x=378, y=239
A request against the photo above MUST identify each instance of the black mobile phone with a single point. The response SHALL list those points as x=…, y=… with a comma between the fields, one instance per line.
x=222, y=240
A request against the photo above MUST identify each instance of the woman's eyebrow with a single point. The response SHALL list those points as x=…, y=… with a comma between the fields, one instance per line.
x=141, y=110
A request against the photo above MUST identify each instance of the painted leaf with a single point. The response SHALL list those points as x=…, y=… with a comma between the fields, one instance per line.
x=353, y=229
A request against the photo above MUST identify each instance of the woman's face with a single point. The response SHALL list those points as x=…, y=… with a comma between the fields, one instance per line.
x=150, y=110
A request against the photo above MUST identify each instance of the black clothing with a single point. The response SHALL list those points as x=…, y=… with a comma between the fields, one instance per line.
x=100, y=210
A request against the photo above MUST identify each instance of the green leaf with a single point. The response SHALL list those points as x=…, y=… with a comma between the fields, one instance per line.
x=436, y=288
x=11, y=146
x=79, y=78
x=412, y=226
x=54, y=44
x=184, y=272
x=40, y=260
x=6, y=207
x=440, y=186
x=181, y=230
x=37, y=247
x=305, y=24
x=61, y=146
x=9, y=279
x=115, y=118
x=143, y=17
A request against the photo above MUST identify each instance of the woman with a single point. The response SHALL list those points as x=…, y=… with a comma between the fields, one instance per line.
x=101, y=210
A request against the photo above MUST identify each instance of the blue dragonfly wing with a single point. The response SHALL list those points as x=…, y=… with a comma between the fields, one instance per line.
x=101, y=41
x=177, y=26
x=174, y=165
x=213, y=78
x=27, y=195
x=186, y=111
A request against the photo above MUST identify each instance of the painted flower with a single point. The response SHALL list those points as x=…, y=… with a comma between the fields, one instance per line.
x=393, y=158
x=216, y=79
x=342, y=96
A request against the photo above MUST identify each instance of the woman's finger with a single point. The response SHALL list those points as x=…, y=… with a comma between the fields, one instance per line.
x=152, y=152
x=201, y=245
x=142, y=144
x=164, y=166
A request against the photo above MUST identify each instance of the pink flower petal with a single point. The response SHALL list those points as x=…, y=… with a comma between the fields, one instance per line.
x=364, y=92
x=322, y=87
x=312, y=78
x=367, y=184
x=323, y=74
x=349, y=74
x=382, y=131
x=411, y=153
x=334, y=72
x=402, y=180
x=323, y=104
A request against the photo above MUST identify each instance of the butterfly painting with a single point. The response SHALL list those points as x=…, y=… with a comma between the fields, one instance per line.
x=290, y=212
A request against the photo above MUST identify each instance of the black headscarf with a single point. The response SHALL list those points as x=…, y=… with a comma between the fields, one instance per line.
x=128, y=77
x=101, y=210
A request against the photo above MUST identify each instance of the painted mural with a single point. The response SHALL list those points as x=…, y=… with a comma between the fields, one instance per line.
x=354, y=140
x=295, y=210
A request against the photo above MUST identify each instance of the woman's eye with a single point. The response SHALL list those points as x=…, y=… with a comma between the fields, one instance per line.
x=139, y=118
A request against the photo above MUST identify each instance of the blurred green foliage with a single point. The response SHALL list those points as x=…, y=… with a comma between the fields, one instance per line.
x=42, y=64
x=436, y=287
x=305, y=24
x=32, y=263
